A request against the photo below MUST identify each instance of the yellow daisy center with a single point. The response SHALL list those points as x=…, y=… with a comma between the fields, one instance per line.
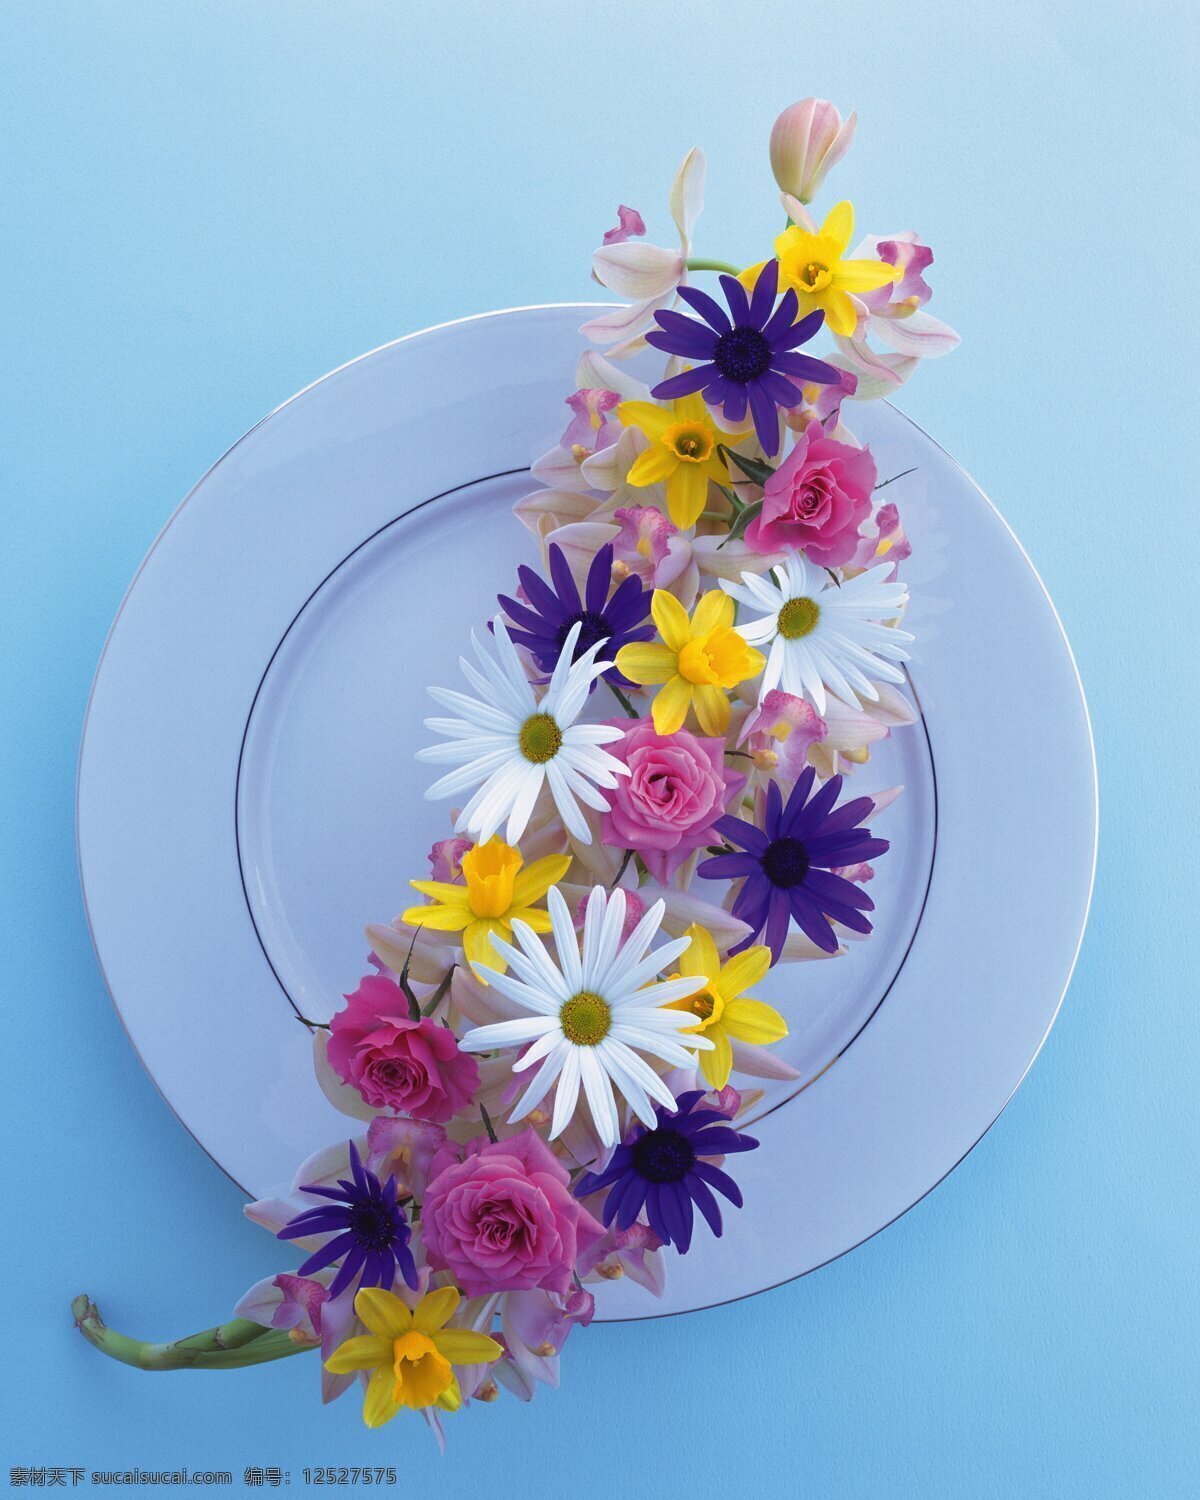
x=422, y=1374
x=540, y=739
x=798, y=617
x=691, y=442
x=585, y=1019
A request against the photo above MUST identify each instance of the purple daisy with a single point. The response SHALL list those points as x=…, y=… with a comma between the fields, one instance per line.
x=664, y=1171
x=369, y=1229
x=787, y=867
x=744, y=356
x=543, y=624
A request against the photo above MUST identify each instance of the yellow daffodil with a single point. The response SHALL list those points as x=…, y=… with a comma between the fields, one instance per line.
x=722, y=1012
x=812, y=266
x=496, y=893
x=683, y=451
x=697, y=660
x=410, y=1352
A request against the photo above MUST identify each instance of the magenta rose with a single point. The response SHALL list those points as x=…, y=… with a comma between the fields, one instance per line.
x=816, y=500
x=395, y=1062
x=676, y=789
x=502, y=1218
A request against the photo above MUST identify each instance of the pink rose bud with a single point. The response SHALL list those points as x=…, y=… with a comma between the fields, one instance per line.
x=807, y=140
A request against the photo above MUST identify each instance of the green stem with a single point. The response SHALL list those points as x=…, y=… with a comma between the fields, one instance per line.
x=229, y=1346
x=695, y=264
x=622, y=699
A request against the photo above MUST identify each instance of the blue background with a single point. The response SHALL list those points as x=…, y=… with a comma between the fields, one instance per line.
x=207, y=205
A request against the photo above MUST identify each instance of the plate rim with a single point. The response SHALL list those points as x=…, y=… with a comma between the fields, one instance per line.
x=473, y=318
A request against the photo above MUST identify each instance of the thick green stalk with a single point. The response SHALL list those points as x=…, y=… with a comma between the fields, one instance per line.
x=695, y=264
x=229, y=1346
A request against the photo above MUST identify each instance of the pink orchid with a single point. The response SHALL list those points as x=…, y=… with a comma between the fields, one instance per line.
x=535, y=1326
x=403, y=1149
x=288, y=1301
x=591, y=427
x=648, y=276
x=894, y=315
x=445, y=858
x=780, y=732
x=634, y=1252
x=882, y=539
x=629, y=224
x=651, y=546
x=851, y=731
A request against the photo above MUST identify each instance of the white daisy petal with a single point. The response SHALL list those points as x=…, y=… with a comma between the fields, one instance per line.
x=531, y=782
x=565, y=944
x=541, y=1083
x=476, y=770
x=614, y=1057
x=508, y=1033
x=568, y=809
x=566, y=1095
x=519, y=991
x=657, y=1044
x=598, y=1088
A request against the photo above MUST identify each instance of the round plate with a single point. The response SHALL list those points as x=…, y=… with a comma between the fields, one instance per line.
x=248, y=797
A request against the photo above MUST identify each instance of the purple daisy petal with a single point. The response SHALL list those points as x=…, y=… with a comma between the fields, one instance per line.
x=562, y=578
x=703, y=1199
x=708, y=307
x=599, y=579
x=780, y=389
x=721, y=1181
x=766, y=417
x=811, y=920
x=735, y=295
x=729, y=866
x=763, y=298
x=779, y=327
x=803, y=330
x=684, y=384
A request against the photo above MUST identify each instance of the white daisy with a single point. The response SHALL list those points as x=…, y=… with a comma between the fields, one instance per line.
x=507, y=745
x=593, y=1014
x=824, y=634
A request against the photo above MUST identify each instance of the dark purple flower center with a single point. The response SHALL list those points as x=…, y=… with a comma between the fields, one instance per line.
x=371, y=1224
x=742, y=355
x=785, y=862
x=593, y=628
x=663, y=1155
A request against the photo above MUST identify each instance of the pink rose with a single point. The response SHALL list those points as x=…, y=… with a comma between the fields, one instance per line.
x=501, y=1218
x=395, y=1062
x=676, y=789
x=816, y=500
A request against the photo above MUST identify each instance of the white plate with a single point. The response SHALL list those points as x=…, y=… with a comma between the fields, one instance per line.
x=248, y=796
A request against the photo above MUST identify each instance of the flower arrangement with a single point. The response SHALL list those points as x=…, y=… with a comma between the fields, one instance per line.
x=549, y=1057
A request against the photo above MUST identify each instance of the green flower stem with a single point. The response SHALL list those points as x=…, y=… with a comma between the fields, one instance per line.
x=712, y=265
x=229, y=1346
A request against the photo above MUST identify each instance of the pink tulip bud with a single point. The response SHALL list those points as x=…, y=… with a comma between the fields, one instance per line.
x=807, y=140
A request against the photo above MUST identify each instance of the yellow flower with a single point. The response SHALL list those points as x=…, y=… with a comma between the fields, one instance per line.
x=683, y=451
x=698, y=660
x=720, y=1008
x=812, y=266
x=410, y=1352
x=496, y=893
